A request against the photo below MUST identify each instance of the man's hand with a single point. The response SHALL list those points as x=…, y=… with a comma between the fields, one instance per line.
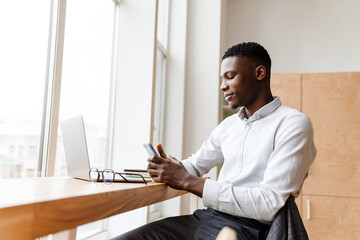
x=169, y=170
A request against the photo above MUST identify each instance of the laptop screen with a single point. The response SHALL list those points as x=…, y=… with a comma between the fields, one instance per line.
x=75, y=147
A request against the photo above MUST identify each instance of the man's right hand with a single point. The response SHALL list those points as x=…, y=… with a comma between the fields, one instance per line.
x=169, y=170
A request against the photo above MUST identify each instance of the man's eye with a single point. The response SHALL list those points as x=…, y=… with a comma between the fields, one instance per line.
x=231, y=76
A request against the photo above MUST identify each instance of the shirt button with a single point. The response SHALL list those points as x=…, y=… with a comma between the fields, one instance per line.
x=227, y=181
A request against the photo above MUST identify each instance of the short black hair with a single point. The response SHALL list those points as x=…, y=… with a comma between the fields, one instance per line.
x=250, y=50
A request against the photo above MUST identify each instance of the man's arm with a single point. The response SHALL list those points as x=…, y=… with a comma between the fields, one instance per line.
x=169, y=170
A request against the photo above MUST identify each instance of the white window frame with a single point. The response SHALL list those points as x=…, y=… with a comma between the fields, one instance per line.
x=48, y=140
x=154, y=211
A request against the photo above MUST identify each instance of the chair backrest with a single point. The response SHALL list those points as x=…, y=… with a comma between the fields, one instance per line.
x=287, y=223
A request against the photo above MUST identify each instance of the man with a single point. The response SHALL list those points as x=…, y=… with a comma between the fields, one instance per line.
x=266, y=150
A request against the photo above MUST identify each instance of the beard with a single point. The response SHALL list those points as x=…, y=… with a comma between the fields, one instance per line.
x=233, y=107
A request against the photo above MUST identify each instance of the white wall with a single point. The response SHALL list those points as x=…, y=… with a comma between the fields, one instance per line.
x=202, y=81
x=202, y=68
x=134, y=82
x=301, y=36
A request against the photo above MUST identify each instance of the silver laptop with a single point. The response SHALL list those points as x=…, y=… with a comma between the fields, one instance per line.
x=76, y=151
x=75, y=147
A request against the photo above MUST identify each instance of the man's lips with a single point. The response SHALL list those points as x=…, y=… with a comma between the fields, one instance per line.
x=228, y=96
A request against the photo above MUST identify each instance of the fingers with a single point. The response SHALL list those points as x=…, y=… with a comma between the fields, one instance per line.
x=156, y=159
x=152, y=165
x=157, y=164
x=154, y=173
x=161, y=151
x=172, y=158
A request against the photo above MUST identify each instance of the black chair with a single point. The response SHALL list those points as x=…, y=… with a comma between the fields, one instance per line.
x=287, y=223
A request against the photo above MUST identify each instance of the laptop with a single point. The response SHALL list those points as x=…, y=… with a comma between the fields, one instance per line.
x=75, y=147
x=76, y=151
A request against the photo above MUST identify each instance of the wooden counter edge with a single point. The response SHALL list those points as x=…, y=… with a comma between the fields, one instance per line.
x=39, y=219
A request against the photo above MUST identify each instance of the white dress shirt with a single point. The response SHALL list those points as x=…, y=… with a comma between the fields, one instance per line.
x=265, y=159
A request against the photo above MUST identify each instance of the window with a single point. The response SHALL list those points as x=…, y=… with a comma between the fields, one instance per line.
x=86, y=75
x=23, y=46
x=160, y=71
x=27, y=56
x=159, y=96
x=162, y=24
x=85, y=84
x=41, y=55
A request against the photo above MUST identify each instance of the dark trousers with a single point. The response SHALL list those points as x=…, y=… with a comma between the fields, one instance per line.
x=203, y=224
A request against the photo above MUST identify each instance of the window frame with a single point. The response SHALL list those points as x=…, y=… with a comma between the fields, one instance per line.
x=50, y=118
x=154, y=211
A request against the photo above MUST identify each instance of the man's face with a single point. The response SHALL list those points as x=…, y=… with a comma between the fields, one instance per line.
x=239, y=82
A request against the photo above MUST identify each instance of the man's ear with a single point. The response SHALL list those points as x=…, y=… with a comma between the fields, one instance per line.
x=260, y=72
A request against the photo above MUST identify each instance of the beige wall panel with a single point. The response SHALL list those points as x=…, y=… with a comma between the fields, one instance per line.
x=332, y=100
x=287, y=86
x=331, y=218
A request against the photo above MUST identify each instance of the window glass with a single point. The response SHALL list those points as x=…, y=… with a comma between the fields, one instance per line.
x=154, y=210
x=86, y=81
x=23, y=52
x=86, y=75
x=159, y=97
x=162, y=25
x=162, y=34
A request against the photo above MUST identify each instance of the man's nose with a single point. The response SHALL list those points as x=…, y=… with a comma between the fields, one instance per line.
x=223, y=86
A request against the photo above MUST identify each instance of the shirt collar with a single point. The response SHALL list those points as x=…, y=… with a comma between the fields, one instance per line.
x=262, y=112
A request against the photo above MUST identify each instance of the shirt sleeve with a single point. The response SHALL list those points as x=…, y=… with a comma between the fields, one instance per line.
x=208, y=156
x=294, y=152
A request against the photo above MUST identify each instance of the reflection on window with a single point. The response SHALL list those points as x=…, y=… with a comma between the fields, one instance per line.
x=23, y=49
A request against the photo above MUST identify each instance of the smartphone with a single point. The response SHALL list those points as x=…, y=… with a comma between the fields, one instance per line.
x=150, y=149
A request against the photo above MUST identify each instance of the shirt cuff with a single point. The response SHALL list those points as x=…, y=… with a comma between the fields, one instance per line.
x=211, y=193
x=189, y=167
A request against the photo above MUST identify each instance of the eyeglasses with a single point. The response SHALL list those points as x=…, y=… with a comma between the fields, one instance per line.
x=108, y=176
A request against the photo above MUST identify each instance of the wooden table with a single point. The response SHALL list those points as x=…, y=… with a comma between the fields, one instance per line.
x=35, y=207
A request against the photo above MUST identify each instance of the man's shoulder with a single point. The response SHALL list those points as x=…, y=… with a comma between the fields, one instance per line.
x=289, y=112
x=228, y=123
x=231, y=119
x=293, y=116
